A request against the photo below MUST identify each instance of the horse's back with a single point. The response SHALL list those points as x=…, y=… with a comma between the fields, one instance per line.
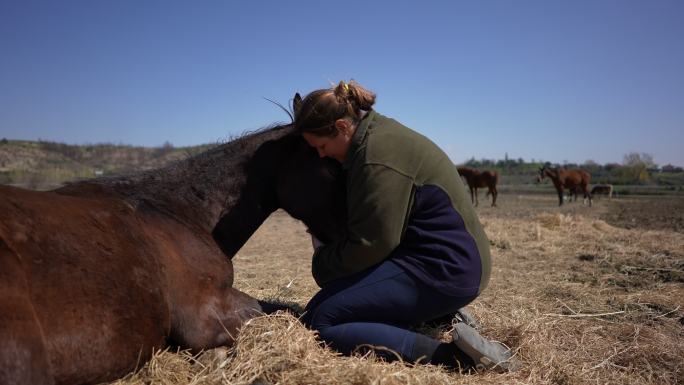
x=602, y=189
x=477, y=178
x=90, y=279
x=575, y=178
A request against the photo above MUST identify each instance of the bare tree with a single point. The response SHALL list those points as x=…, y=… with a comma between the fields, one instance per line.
x=637, y=165
x=638, y=159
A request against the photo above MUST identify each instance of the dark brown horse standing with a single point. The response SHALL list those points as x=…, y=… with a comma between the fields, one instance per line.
x=567, y=179
x=96, y=275
x=476, y=179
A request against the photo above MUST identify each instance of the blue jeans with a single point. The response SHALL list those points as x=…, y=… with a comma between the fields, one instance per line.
x=376, y=308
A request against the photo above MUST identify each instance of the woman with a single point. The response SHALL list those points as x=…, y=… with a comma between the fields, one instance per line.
x=414, y=249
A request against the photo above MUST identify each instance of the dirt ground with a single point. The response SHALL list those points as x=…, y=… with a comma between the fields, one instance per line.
x=651, y=213
x=582, y=294
x=287, y=244
x=630, y=212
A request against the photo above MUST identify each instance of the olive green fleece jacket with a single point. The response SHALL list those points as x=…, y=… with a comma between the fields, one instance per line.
x=385, y=164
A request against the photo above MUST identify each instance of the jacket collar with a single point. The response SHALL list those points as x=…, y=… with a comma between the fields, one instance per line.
x=358, y=139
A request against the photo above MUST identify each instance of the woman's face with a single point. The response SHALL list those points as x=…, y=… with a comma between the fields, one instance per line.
x=335, y=147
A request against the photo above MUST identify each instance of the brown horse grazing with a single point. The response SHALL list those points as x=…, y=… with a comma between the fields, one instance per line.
x=476, y=179
x=606, y=189
x=96, y=275
x=567, y=179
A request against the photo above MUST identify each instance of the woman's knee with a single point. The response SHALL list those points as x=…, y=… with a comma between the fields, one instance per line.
x=319, y=318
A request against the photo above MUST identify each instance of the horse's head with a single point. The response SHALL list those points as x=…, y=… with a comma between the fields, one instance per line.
x=285, y=173
x=312, y=189
x=547, y=171
x=541, y=176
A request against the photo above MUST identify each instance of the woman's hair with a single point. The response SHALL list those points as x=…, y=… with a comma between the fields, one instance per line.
x=318, y=111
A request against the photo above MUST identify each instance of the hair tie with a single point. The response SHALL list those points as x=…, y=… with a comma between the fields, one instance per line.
x=346, y=87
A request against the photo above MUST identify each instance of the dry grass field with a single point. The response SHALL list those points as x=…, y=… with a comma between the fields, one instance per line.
x=584, y=296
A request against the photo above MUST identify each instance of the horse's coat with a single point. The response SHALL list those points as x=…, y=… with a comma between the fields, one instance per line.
x=96, y=275
x=606, y=189
x=567, y=179
x=476, y=179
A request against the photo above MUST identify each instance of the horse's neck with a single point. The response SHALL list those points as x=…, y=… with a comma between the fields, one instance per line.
x=553, y=174
x=198, y=189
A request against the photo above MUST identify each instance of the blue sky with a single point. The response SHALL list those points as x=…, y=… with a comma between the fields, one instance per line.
x=551, y=80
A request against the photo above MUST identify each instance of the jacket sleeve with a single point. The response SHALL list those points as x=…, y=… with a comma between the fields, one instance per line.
x=379, y=200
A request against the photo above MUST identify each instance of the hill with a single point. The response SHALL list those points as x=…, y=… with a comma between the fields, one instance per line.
x=42, y=164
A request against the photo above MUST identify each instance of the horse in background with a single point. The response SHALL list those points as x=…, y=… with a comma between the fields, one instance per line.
x=97, y=275
x=606, y=189
x=562, y=179
x=477, y=179
x=571, y=195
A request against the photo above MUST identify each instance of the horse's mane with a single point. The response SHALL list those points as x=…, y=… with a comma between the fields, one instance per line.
x=196, y=178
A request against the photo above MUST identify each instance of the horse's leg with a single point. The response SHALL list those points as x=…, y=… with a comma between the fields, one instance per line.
x=587, y=194
x=476, y=201
x=560, y=195
x=472, y=196
x=23, y=356
x=494, y=194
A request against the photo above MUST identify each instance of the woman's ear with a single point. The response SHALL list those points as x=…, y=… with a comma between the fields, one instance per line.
x=343, y=126
x=296, y=104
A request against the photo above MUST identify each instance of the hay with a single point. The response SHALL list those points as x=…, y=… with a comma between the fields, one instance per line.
x=277, y=349
x=580, y=301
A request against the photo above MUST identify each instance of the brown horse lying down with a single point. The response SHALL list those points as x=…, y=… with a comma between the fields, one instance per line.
x=96, y=275
x=476, y=179
x=567, y=179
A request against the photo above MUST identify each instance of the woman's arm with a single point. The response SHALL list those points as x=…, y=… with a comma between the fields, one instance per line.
x=379, y=200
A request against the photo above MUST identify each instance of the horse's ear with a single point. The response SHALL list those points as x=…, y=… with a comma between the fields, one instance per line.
x=296, y=104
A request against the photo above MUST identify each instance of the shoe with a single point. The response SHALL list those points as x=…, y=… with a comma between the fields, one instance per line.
x=463, y=315
x=486, y=355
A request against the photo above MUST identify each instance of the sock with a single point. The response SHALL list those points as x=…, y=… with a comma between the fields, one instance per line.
x=423, y=349
x=449, y=355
